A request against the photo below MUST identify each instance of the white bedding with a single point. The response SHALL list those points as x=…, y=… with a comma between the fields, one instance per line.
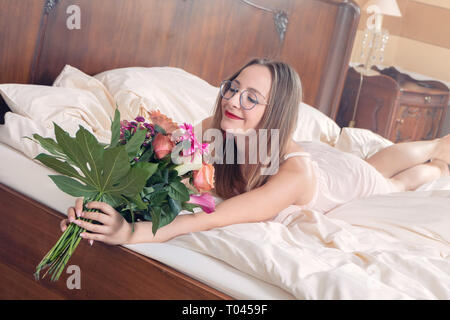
x=389, y=247
x=385, y=247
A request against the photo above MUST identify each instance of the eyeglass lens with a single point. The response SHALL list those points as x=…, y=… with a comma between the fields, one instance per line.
x=247, y=98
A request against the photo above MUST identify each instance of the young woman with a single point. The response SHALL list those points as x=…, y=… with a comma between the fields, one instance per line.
x=266, y=94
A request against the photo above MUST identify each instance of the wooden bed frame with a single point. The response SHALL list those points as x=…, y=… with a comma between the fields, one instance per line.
x=207, y=38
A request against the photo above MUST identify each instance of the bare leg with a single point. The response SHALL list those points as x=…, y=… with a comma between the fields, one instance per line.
x=412, y=178
x=399, y=157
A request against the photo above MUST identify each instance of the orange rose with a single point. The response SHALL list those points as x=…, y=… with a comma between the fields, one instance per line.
x=162, y=145
x=163, y=121
x=204, y=178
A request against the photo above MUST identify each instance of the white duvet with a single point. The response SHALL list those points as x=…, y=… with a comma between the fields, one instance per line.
x=385, y=247
x=392, y=246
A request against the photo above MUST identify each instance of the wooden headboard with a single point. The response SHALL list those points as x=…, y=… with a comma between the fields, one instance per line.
x=210, y=39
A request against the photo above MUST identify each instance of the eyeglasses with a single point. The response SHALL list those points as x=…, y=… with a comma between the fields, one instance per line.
x=247, y=99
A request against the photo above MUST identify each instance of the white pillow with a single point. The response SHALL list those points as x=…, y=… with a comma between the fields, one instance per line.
x=315, y=125
x=361, y=142
x=71, y=77
x=36, y=107
x=185, y=97
x=16, y=127
x=178, y=94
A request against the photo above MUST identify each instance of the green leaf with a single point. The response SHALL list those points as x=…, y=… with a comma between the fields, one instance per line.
x=116, y=166
x=92, y=152
x=49, y=144
x=148, y=190
x=149, y=167
x=165, y=175
x=189, y=206
x=145, y=157
x=178, y=191
x=159, y=186
x=157, y=198
x=130, y=185
x=113, y=200
x=135, y=143
x=73, y=187
x=156, y=178
x=173, y=175
x=138, y=201
x=87, y=158
x=175, y=206
x=167, y=216
x=115, y=129
x=107, y=173
x=156, y=216
x=59, y=166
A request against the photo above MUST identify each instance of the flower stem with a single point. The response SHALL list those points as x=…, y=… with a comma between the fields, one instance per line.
x=56, y=259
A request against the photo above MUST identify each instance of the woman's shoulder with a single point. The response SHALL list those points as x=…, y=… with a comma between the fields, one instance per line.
x=296, y=173
x=297, y=165
x=294, y=164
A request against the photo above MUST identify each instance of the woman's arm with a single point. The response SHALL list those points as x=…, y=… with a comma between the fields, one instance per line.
x=294, y=183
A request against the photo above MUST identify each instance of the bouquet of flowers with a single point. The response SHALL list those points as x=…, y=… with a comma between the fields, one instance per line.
x=149, y=171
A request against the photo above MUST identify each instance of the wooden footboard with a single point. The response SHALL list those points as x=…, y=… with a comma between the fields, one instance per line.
x=29, y=229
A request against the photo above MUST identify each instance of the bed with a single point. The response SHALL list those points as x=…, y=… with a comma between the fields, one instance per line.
x=356, y=251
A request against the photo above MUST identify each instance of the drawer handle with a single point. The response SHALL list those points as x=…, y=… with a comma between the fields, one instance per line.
x=400, y=121
x=427, y=99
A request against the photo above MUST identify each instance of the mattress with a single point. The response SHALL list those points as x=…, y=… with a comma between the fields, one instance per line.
x=31, y=179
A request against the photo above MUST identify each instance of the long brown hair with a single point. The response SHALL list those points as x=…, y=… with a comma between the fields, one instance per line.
x=281, y=113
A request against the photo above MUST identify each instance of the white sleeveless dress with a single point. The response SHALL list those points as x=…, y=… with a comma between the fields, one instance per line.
x=341, y=176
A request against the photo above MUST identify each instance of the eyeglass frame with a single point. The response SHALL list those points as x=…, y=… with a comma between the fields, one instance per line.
x=240, y=96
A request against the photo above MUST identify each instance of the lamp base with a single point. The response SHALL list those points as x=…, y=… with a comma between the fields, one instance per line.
x=366, y=72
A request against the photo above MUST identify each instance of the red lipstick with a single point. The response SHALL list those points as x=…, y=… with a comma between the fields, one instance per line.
x=232, y=116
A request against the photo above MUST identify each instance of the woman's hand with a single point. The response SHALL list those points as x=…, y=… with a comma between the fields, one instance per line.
x=114, y=229
x=71, y=212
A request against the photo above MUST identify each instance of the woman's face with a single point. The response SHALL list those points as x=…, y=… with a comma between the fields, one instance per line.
x=258, y=80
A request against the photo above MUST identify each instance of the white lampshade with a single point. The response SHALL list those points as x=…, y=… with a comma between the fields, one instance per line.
x=386, y=7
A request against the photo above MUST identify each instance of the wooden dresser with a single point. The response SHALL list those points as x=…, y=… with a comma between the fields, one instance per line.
x=394, y=105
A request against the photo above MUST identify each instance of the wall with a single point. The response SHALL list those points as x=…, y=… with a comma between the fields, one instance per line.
x=419, y=41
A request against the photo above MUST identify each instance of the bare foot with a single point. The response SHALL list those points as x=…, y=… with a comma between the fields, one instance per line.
x=442, y=150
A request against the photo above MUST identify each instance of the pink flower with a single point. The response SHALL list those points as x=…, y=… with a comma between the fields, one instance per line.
x=204, y=178
x=205, y=201
x=162, y=145
x=195, y=145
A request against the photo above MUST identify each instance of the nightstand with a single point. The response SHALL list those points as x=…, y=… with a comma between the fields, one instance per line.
x=393, y=104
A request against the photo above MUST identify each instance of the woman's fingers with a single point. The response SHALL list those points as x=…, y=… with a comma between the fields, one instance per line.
x=96, y=228
x=97, y=216
x=93, y=236
x=71, y=214
x=63, y=224
x=70, y=217
x=102, y=206
x=79, y=206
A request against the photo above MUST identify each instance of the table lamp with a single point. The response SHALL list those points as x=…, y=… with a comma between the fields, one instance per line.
x=374, y=41
x=376, y=37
